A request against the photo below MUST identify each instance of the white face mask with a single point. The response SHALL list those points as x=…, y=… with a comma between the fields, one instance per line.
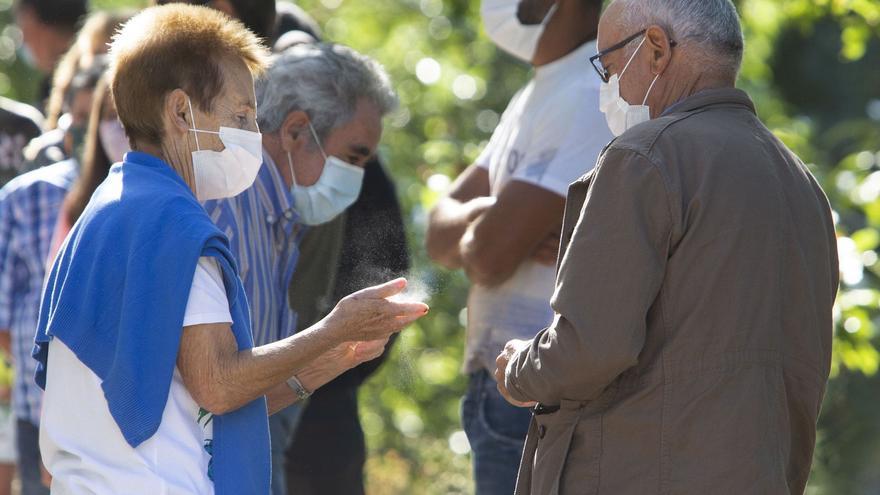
x=336, y=189
x=620, y=115
x=504, y=29
x=227, y=173
x=113, y=140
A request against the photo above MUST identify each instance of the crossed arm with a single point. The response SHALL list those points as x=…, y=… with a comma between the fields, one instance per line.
x=490, y=237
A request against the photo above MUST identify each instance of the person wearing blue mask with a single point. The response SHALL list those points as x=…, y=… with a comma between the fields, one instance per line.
x=152, y=380
x=317, y=138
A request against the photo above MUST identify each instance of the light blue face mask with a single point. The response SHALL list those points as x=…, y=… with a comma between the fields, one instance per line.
x=336, y=189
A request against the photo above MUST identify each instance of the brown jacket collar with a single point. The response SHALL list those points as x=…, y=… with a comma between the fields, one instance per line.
x=711, y=97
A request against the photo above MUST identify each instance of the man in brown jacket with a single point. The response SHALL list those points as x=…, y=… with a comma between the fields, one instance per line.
x=692, y=337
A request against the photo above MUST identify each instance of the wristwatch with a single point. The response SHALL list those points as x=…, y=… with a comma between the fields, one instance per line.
x=298, y=388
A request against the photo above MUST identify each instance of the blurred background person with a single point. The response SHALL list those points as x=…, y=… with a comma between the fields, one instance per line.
x=293, y=25
x=502, y=219
x=105, y=143
x=7, y=424
x=256, y=15
x=91, y=42
x=19, y=124
x=48, y=28
x=317, y=138
x=29, y=209
x=268, y=19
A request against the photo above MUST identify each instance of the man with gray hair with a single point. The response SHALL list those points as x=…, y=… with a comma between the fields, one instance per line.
x=691, y=344
x=320, y=108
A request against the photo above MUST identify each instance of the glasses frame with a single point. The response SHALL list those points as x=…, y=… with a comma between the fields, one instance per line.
x=596, y=60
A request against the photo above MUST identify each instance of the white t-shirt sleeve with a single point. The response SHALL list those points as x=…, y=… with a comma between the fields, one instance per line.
x=207, y=297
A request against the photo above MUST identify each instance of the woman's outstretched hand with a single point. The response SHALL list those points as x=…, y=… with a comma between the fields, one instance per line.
x=371, y=315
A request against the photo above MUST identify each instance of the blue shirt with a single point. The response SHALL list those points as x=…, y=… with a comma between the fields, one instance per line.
x=29, y=208
x=264, y=233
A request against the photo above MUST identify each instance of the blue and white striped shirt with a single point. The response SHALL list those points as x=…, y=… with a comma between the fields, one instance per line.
x=29, y=208
x=264, y=232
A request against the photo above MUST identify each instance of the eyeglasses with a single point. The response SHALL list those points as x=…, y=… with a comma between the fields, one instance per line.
x=596, y=60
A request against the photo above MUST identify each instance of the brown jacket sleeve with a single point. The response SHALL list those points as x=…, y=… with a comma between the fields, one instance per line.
x=609, y=277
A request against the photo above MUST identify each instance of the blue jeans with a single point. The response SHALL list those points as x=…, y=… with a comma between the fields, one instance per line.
x=27, y=439
x=282, y=425
x=496, y=431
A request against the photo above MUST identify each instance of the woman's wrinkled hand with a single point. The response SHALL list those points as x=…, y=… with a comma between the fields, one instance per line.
x=338, y=360
x=369, y=315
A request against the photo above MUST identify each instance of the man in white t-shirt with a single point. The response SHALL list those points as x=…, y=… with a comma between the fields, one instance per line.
x=502, y=219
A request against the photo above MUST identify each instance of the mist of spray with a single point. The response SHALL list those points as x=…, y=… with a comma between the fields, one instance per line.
x=417, y=290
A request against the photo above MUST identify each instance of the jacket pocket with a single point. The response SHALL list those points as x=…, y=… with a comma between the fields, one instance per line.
x=568, y=452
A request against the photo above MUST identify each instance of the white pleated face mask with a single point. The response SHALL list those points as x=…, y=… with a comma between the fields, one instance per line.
x=337, y=188
x=505, y=30
x=227, y=173
x=620, y=115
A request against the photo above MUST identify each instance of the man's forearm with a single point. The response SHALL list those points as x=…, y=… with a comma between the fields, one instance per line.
x=449, y=221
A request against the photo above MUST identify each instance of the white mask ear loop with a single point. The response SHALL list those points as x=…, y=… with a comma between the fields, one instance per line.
x=193, y=117
x=650, y=88
x=317, y=141
x=290, y=165
x=631, y=58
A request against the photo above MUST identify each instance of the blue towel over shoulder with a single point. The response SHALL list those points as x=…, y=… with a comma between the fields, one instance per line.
x=116, y=296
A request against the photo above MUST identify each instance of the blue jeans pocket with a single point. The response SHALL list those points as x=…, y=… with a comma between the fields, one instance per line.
x=499, y=419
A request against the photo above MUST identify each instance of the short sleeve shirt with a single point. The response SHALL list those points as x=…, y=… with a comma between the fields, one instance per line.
x=83, y=447
x=551, y=133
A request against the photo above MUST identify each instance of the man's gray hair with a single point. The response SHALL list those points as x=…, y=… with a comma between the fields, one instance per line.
x=708, y=26
x=325, y=81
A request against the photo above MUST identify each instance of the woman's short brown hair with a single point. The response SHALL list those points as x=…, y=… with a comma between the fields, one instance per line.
x=169, y=47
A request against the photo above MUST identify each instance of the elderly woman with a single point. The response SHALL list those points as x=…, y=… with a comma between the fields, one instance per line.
x=152, y=381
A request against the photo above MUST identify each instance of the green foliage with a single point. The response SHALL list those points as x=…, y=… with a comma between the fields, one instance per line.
x=813, y=69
